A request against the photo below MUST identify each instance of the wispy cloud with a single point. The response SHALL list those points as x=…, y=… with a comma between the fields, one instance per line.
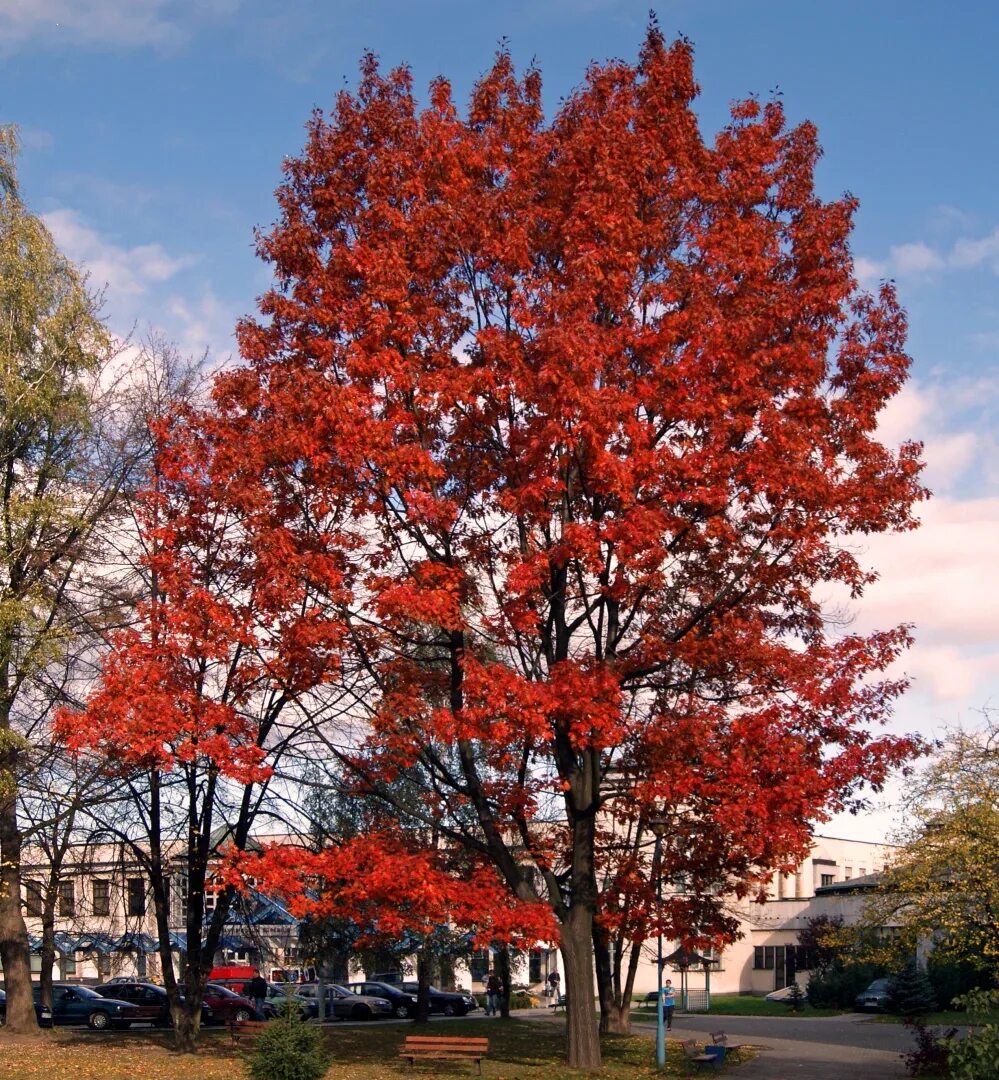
x=912, y=259
x=126, y=272
x=162, y=24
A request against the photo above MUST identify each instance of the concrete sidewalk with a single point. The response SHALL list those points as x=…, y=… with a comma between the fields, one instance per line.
x=787, y=1059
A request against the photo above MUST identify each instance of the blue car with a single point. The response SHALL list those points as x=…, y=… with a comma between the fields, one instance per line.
x=72, y=1004
x=42, y=1012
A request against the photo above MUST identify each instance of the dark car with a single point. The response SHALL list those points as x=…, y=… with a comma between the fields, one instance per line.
x=877, y=997
x=278, y=997
x=73, y=1004
x=43, y=1014
x=344, y=1004
x=151, y=1001
x=403, y=1003
x=227, y=1005
x=448, y=1002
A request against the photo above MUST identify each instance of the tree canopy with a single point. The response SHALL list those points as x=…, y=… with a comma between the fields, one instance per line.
x=942, y=888
x=549, y=437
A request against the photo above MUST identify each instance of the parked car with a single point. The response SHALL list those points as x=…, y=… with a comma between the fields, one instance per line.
x=277, y=996
x=403, y=1003
x=345, y=1005
x=448, y=1002
x=227, y=1005
x=877, y=997
x=43, y=1014
x=151, y=1001
x=72, y=1004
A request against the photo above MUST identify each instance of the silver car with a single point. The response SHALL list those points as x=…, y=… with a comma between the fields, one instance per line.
x=342, y=1004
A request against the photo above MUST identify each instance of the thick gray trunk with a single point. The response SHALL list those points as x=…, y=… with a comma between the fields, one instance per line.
x=577, y=954
x=14, y=954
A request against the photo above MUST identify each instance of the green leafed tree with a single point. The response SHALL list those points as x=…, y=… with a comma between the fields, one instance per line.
x=942, y=889
x=63, y=459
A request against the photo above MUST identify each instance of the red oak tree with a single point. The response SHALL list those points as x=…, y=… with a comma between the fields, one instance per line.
x=195, y=705
x=584, y=414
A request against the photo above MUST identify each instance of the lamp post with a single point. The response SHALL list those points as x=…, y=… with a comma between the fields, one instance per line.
x=658, y=827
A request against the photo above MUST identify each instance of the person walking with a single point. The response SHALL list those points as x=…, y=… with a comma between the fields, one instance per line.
x=258, y=992
x=553, y=983
x=494, y=988
x=669, y=1003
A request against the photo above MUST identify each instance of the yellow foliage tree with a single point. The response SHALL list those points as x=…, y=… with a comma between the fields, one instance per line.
x=942, y=888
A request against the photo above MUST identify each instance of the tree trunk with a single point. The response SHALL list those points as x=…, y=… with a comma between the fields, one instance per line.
x=423, y=988
x=14, y=954
x=187, y=1023
x=580, y=1008
x=503, y=971
x=48, y=949
x=615, y=1014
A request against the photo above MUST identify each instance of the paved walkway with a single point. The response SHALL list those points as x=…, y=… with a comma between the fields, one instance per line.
x=793, y=1048
x=829, y=1048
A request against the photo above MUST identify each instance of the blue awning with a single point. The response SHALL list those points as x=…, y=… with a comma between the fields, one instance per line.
x=136, y=943
x=178, y=940
x=234, y=943
x=101, y=943
x=65, y=944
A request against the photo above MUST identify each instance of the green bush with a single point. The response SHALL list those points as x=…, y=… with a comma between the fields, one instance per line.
x=836, y=985
x=288, y=1049
x=976, y=1056
x=912, y=992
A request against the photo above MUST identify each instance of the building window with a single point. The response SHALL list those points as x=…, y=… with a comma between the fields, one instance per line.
x=33, y=897
x=136, y=896
x=102, y=897
x=826, y=879
x=863, y=871
x=479, y=965
x=67, y=899
x=178, y=898
x=847, y=873
x=103, y=964
x=534, y=962
x=763, y=957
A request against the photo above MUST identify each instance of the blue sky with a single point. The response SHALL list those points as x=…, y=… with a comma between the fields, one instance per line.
x=154, y=130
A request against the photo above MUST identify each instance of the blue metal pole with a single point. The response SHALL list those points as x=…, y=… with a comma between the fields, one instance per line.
x=660, y=1017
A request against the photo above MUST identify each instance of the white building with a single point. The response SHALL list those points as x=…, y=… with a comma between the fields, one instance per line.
x=105, y=924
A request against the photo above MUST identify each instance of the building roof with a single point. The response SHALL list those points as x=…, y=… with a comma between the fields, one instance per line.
x=857, y=884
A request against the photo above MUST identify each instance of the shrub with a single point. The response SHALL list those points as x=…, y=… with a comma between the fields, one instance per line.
x=976, y=1056
x=288, y=1049
x=911, y=991
x=795, y=998
x=836, y=985
x=931, y=1052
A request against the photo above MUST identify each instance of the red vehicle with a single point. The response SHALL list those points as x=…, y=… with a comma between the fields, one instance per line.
x=232, y=971
x=227, y=1005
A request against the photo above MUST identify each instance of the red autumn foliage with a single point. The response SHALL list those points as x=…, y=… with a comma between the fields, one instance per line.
x=572, y=425
x=388, y=889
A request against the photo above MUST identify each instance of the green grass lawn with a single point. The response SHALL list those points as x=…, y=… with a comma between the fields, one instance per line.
x=744, y=1005
x=519, y=1050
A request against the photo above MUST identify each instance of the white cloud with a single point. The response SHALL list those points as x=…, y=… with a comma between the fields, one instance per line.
x=914, y=258
x=75, y=23
x=204, y=325
x=127, y=272
x=970, y=253
x=908, y=260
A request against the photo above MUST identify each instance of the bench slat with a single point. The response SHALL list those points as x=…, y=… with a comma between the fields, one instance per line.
x=444, y=1040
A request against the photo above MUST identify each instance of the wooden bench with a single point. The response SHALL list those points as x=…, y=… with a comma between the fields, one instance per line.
x=695, y=1057
x=650, y=999
x=559, y=1004
x=246, y=1032
x=444, y=1048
